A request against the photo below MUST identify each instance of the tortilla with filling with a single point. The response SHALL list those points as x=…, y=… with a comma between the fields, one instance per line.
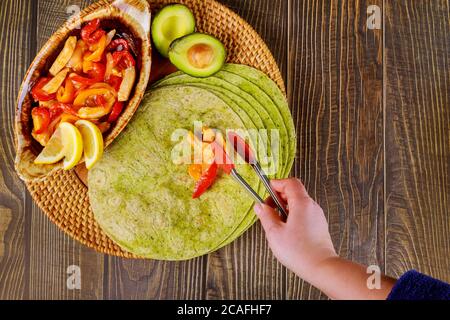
x=142, y=200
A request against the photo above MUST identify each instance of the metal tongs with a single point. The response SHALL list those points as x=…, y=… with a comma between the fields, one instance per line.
x=243, y=150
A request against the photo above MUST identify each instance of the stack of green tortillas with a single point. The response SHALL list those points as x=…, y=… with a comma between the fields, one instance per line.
x=143, y=201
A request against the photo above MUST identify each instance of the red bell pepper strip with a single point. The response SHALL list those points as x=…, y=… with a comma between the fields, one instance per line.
x=115, y=112
x=241, y=147
x=39, y=94
x=115, y=44
x=81, y=80
x=41, y=119
x=97, y=73
x=205, y=181
x=115, y=82
x=100, y=100
x=58, y=108
x=124, y=58
x=88, y=32
x=221, y=158
x=96, y=36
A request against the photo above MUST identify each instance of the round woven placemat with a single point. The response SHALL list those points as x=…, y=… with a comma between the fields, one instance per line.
x=63, y=197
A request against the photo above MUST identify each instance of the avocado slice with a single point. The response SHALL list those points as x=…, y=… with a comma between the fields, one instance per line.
x=198, y=54
x=170, y=23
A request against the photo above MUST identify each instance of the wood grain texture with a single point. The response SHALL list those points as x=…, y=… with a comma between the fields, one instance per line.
x=335, y=88
x=417, y=72
x=15, y=56
x=371, y=108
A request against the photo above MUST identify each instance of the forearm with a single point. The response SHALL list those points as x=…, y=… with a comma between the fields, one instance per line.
x=342, y=279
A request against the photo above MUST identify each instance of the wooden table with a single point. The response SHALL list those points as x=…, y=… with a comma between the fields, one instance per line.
x=372, y=111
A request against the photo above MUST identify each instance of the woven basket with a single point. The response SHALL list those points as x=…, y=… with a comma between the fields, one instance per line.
x=62, y=195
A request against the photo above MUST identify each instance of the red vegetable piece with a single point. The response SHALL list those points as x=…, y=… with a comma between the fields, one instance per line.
x=115, y=82
x=41, y=119
x=241, y=147
x=115, y=112
x=89, y=30
x=39, y=94
x=205, y=181
x=123, y=58
x=115, y=44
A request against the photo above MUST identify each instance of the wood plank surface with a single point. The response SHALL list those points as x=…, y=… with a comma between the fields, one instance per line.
x=417, y=73
x=335, y=89
x=371, y=109
x=15, y=56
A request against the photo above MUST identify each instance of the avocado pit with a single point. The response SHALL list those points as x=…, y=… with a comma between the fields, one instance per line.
x=200, y=55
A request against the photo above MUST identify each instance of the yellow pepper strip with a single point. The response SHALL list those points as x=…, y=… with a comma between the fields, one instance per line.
x=208, y=134
x=66, y=94
x=66, y=117
x=84, y=94
x=103, y=85
x=87, y=65
x=94, y=112
x=195, y=171
x=99, y=48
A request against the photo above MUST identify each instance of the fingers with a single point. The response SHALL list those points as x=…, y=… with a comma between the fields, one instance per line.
x=291, y=188
x=270, y=220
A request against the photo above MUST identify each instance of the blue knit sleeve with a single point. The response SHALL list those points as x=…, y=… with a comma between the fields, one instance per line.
x=416, y=286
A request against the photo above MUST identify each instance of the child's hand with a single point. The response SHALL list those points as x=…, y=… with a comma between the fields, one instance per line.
x=303, y=242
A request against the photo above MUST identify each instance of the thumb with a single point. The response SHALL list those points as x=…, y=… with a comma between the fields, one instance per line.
x=270, y=220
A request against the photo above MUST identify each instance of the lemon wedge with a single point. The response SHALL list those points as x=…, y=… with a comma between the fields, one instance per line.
x=53, y=151
x=92, y=142
x=73, y=145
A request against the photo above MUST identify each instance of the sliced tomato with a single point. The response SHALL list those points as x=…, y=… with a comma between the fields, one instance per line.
x=39, y=94
x=206, y=180
x=41, y=119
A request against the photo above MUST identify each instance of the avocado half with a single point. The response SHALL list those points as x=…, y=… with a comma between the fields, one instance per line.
x=170, y=23
x=198, y=54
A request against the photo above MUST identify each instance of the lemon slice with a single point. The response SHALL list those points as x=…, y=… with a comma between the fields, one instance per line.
x=53, y=151
x=73, y=145
x=92, y=142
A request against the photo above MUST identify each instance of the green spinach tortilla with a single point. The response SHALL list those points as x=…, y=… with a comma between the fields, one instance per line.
x=254, y=92
x=142, y=200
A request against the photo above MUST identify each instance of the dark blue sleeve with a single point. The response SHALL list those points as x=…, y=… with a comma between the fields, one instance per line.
x=417, y=286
